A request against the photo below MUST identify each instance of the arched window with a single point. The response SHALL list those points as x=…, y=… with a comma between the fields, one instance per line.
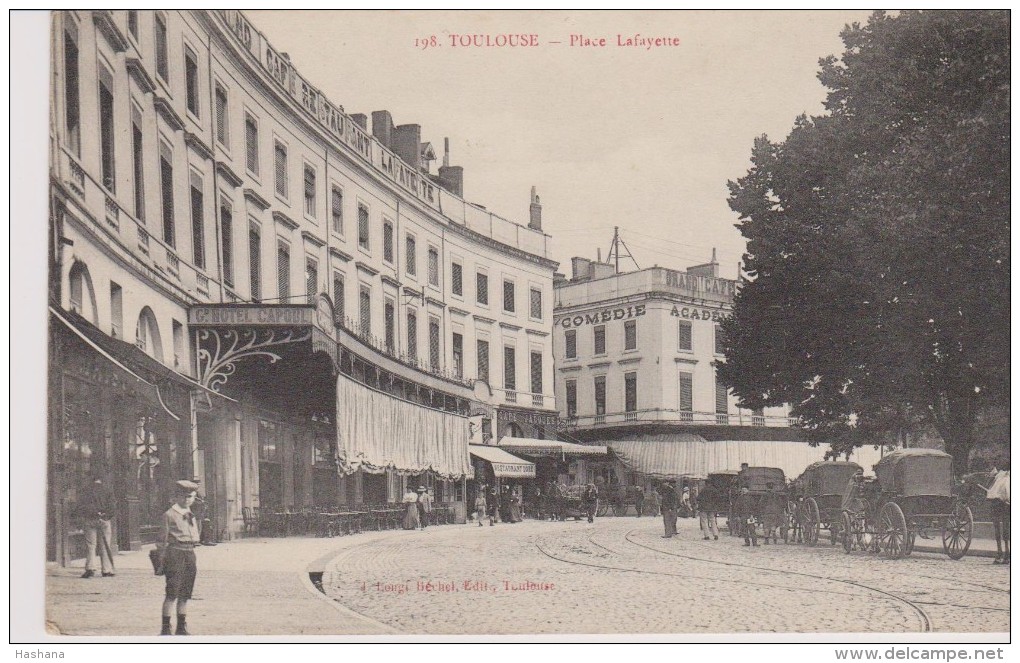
x=147, y=336
x=513, y=430
x=83, y=297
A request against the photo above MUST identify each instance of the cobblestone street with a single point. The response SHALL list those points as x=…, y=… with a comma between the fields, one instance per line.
x=618, y=576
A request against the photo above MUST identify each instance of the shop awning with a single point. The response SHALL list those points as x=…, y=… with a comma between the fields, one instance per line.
x=534, y=447
x=504, y=465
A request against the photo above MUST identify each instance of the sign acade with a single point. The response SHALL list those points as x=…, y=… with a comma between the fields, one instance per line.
x=693, y=313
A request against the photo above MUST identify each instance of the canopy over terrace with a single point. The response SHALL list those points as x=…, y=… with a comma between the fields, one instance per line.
x=689, y=455
x=504, y=465
x=533, y=447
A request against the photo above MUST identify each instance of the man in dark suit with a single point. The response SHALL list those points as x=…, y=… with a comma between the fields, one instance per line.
x=743, y=508
x=591, y=501
x=668, y=501
x=96, y=510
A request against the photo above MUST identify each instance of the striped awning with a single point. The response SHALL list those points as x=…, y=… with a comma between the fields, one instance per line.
x=531, y=446
x=504, y=465
x=689, y=455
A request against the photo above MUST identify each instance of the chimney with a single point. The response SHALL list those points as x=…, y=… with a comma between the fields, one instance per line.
x=536, y=212
x=451, y=178
x=361, y=120
x=382, y=127
x=600, y=270
x=407, y=144
x=559, y=279
x=580, y=269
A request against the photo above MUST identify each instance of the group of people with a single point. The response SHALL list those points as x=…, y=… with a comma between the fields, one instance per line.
x=507, y=508
x=418, y=508
x=673, y=504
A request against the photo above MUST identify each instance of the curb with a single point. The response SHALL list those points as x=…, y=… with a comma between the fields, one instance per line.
x=990, y=554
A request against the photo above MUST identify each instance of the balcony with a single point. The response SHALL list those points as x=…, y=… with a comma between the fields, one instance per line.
x=679, y=417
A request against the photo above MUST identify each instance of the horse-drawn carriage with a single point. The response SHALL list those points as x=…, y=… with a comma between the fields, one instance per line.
x=716, y=496
x=817, y=498
x=911, y=494
x=766, y=501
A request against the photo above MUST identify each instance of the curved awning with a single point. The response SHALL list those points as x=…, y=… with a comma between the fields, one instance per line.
x=504, y=465
x=534, y=447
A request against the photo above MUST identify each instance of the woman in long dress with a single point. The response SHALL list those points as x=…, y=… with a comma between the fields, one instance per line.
x=515, y=505
x=410, y=502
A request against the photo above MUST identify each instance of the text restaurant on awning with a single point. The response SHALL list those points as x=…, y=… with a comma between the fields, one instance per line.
x=504, y=465
x=534, y=447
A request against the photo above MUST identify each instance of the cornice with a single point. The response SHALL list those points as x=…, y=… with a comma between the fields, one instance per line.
x=254, y=198
x=284, y=220
x=312, y=239
x=228, y=175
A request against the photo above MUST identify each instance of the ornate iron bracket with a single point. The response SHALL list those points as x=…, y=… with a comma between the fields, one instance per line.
x=217, y=363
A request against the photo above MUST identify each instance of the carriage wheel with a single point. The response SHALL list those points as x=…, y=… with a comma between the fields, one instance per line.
x=893, y=531
x=957, y=532
x=909, y=543
x=846, y=529
x=833, y=533
x=812, y=522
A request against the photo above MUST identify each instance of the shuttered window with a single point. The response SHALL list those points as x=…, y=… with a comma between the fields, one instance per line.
x=162, y=60
x=482, y=288
x=630, y=392
x=433, y=266
x=72, y=100
x=387, y=241
x=363, y=237
x=571, y=342
x=458, y=355
x=227, y=235
x=434, y=344
x=255, y=262
x=720, y=340
x=536, y=372
x=457, y=279
x=600, y=394
x=222, y=117
x=412, y=335
x=280, y=164
x=571, y=398
x=536, y=304
x=311, y=279
x=600, y=340
x=337, y=210
x=197, y=222
x=686, y=393
x=166, y=186
x=138, y=162
x=251, y=144
x=684, y=343
x=508, y=296
x=339, y=298
x=283, y=272
x=310, y=191
x=410, y=251
x=389, y=321
x=106, y=131
x=721, y=400
x=366, y=311
x=191, y=82
x=509, y=368
x=483, y=361
x=630, y=335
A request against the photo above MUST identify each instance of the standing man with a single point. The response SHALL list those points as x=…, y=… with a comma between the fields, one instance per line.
x=591, y=501
x=180, y=536
x=639, y=499
x=96, y=509
x=668, y=499
x=480, y=505
x=742, y=507
x=493, y=505
x=708, y=500
x=424, y=506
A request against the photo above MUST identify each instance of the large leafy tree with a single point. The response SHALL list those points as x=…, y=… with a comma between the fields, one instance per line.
x=877, y=297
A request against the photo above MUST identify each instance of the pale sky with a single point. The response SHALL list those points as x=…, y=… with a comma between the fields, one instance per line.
x=642, y=139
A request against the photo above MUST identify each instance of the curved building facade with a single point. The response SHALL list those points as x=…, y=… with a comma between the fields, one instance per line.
x=248, y=283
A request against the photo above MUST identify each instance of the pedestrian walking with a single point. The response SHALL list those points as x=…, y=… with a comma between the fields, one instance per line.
x=639, y=499
x=493, y=505
x=480, y=505
x=707, y=501
x=179, y=538
x=514, y=509
x=424, y=506
x=743, y=507
x=998, y=499
x=668, y=500
x=410, y=502
x=591, y=501
x=96, y=510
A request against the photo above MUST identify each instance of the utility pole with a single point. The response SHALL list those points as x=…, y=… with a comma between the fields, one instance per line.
x=614, y=250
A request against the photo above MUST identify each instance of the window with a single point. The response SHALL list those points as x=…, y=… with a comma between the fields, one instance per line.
x=116, y=310
x=457, y=279
x=536, y=304
x=137, y=161
x=166, y=186
x=630, y=392
x=251, y=144
x=482, y=288
x=363, y=239
x=412, y=335
x=72, y=102
x=309, y=191
x=686, y=392
x=508, y=296
x=536, y=372
x=222, y=117
x=178, y=334
x=509, y=368
x=630, y=335
x=685, y=343
x=280, y=161
x=720, y=340
x=311, y=279
x=268, y=449
x=390, y=322
x=458, y=354
x=571, y=399
x=337, y=210
x=255, y=262
x=600, y=340
x=339, y=298
x=365, y=302
x=132, y=21
x=387, y=241
x=191, y=81
x=721, y=399
x=600, y=394
x=411, y=256
x=227, y=237
x=197, y=221
x=106, y=132
x=283, y=272
x=434, y=344
x=162, y=60
x=571, y=342
x=483, y=360
x=433, y=266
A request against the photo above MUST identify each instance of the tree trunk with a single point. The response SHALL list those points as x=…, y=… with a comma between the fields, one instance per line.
x=960, y=433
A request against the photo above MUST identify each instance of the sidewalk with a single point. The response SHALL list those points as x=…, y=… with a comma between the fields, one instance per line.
x=243, y=587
